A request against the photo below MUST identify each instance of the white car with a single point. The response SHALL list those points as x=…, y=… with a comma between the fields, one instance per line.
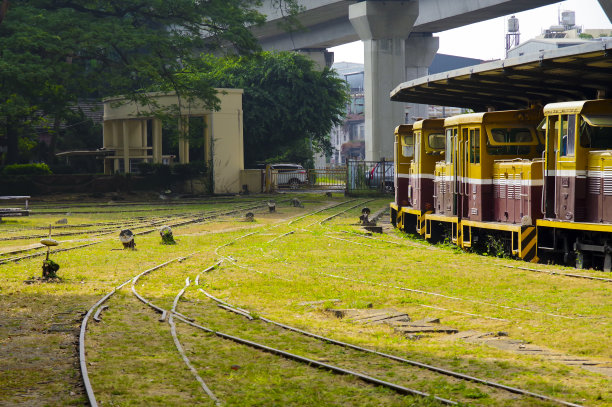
x=291, y=175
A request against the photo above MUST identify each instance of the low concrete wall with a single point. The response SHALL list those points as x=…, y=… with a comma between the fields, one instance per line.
x=253, y=180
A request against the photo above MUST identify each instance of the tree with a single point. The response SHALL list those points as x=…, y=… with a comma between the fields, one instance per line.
x=54, y=51
x=289, y=106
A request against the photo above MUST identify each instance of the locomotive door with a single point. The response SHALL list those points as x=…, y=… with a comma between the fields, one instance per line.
x=415, y=171
x=448, y=192
x=473, y=175
x=565, y=179
x=464, y=184
x=550, y=164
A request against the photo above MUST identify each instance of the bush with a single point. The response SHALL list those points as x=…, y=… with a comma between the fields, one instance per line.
x=26, y=169
x=189, y=170
x=145, y=168
x=62, y=169
x=161, y=170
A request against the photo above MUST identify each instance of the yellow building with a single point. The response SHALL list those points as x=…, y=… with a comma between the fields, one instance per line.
x=134, y=134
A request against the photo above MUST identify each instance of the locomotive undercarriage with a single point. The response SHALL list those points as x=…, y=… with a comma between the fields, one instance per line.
x=580, y=248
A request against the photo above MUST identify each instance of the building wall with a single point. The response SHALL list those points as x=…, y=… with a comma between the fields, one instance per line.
x=128, y=127
x=227, y=143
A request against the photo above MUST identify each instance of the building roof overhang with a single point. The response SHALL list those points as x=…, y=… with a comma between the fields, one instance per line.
x=571, y=73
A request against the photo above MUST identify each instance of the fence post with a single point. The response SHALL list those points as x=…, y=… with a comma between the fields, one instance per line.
x=347, y=182
x=268, y=179
x=382, y=176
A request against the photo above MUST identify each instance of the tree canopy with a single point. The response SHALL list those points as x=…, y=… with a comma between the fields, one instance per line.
x=53, y=52
x=289, y=105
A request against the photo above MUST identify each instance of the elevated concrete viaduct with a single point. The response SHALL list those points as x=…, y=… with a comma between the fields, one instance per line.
x=398, y=44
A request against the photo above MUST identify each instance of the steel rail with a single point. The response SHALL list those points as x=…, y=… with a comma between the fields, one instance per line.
x=206, y=270
x=320, y=210
x=437, y=369
x=414, y=290
x=411, y=244
x=140, y=222
x=82, y=356
x=180, y=349
x=141, y=203
x=106, y=227
x=82, y=360
x=340, y=213
x=19, y=258
x=278, y=352
x=350, y=241
x=420, y=305
x=195, y=220
x=320, y=365
x=558, y=273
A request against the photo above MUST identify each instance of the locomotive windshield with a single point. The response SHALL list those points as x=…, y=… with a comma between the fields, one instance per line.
x=596, y=132
x=436, y=141
x=509, y=141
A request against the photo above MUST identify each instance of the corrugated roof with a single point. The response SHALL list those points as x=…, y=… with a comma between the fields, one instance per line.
x=572, y=73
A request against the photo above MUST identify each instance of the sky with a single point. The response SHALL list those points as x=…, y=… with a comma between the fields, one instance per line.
x=486, y=40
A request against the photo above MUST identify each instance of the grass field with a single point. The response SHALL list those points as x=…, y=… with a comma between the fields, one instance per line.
x=550, y=334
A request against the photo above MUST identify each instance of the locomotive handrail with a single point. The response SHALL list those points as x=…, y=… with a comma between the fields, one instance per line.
x=542, y=204
x=466, y=156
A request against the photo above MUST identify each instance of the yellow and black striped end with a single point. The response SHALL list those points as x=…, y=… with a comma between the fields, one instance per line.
x=528, y=239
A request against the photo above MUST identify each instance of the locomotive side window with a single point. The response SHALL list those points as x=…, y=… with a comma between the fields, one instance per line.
x=510, y=141
x=408, y=146
x=596, y=132
x=417, y=146
x=449, y=146
x=475, y=146
x=436, y=141
x=568, y=134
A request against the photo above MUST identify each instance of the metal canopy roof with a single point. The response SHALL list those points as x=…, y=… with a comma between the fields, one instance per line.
x=571, y=73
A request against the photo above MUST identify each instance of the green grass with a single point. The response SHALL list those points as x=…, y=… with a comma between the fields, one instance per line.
x=133, y=360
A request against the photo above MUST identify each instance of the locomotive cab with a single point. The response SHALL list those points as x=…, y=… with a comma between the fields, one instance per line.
x=426, y=144
x=483, y=149
x=577, y=195
x=403, y=152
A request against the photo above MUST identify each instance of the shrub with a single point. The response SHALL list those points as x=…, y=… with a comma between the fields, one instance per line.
x=161, y=170
x=27, y=169
x=189, y=170
x=145, y=168
x=62, y=169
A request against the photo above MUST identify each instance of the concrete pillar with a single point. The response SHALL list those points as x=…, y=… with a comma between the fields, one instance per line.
x=116, y=139
x=606, y=5
x=383, y=27
x=421, y=49
x=157, y=141
x=143, y=136
x=126, y=146
x=207, y=138
x=183, y=141
x=320, y=56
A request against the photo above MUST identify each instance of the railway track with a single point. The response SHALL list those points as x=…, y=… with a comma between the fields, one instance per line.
x=175, y=317
x=172, y=313
x=174, y=222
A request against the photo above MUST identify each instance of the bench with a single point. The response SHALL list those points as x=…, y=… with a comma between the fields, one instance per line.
x=10, y=212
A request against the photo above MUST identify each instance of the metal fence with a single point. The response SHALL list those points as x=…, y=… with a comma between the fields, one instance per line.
x=369, y=177
x=327, y=178
x=356, y=177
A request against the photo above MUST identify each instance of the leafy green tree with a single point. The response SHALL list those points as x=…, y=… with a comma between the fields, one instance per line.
x=54, y=51
x=289, y=105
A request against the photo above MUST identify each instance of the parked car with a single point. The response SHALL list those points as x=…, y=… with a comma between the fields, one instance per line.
x=375, y=177
x=291, y=175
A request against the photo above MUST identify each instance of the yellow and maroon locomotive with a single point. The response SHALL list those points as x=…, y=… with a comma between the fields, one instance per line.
x=577, y=196
x=417, y=148
x=537, y=191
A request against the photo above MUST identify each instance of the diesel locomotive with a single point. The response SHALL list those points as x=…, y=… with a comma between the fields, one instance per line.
x=536, y=183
